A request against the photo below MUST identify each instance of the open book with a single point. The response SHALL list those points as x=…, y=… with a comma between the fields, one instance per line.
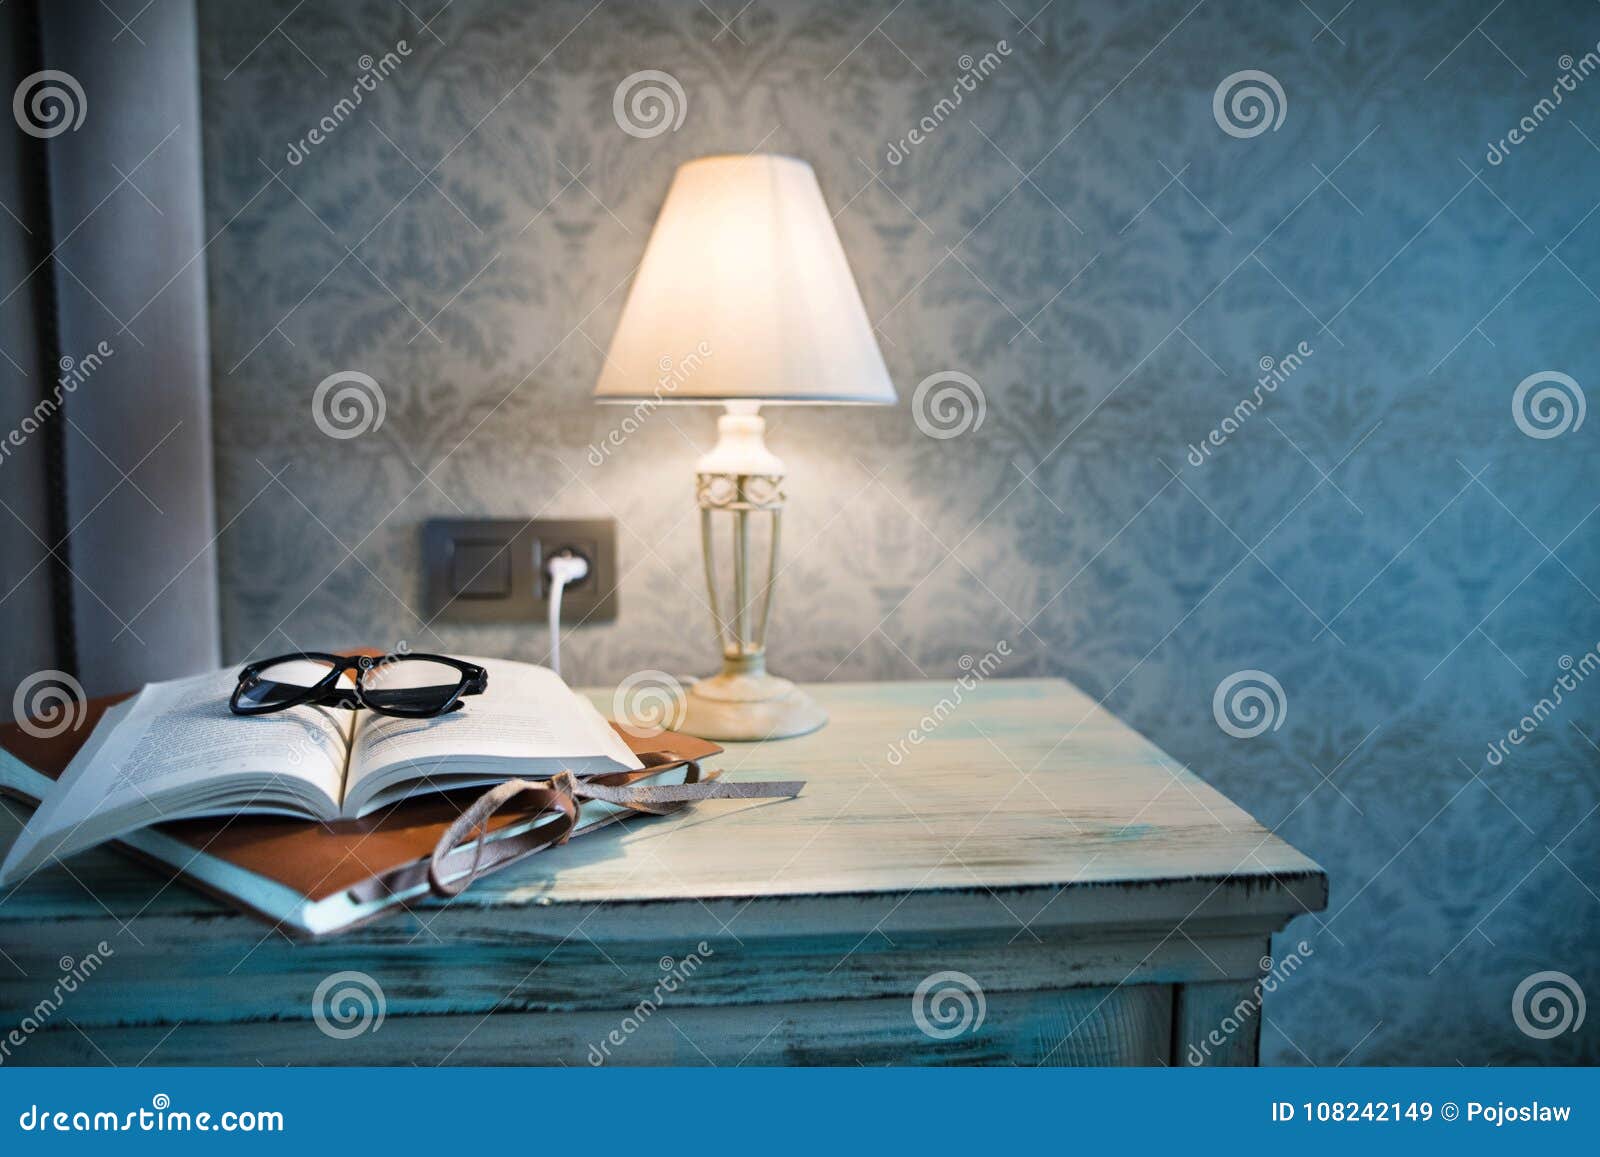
x=175, y=751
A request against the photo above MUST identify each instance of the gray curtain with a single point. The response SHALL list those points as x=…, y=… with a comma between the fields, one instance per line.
x=115, y=329
x=29, y=618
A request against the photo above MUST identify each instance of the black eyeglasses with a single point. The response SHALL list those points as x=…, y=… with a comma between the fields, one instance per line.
x=408, y=686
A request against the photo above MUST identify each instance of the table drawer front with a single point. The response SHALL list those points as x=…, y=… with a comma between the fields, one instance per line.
x=1083, y=1026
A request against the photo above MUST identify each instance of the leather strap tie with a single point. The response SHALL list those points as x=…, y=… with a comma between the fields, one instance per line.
x=554, y=804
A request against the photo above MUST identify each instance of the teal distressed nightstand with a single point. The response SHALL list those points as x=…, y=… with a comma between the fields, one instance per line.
x=958, y=886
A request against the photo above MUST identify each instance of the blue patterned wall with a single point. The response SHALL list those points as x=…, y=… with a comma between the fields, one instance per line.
x=1083, y=238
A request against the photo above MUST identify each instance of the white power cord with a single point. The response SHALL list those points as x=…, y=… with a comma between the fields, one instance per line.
x=562, y=569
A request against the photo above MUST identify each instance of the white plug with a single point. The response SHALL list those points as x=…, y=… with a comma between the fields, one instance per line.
x=562, y=569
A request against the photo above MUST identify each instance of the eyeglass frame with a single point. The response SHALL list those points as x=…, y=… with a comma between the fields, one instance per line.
x=325, y=693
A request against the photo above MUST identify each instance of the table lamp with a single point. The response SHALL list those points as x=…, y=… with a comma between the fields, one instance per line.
x=744, y=268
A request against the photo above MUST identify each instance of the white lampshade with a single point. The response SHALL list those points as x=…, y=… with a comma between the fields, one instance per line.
x=745, y=288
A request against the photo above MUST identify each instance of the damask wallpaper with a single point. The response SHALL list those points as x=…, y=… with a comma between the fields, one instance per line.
x=1230, y=387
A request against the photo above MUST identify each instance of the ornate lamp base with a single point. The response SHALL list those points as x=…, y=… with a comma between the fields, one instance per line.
x=742, y=480
x=743, y=706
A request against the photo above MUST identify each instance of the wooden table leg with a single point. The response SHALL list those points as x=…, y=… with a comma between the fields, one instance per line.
x=1217, y=1023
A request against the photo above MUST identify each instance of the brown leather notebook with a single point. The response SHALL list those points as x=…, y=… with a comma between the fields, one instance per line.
x=311, y=879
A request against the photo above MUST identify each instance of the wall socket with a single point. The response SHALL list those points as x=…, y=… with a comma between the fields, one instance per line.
x=492, y=570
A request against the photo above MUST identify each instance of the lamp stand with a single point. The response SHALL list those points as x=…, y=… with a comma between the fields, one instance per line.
x=740, y=478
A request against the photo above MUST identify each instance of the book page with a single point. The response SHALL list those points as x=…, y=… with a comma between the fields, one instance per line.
x=176, y=750
x=182, y=732
x=526, y=716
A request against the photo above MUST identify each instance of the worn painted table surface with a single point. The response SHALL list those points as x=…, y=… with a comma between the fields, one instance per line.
x=1086, y=898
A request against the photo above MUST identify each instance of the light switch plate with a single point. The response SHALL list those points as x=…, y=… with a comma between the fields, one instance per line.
x=490, y=570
